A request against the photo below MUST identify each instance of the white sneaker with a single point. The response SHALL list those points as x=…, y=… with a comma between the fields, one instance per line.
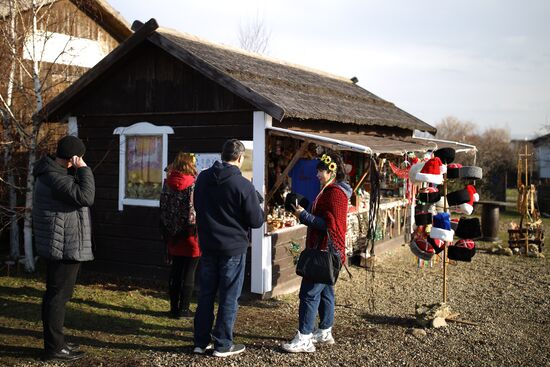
x=302, y=343
x=323, y=336
x=225, y=352
x=199, y=350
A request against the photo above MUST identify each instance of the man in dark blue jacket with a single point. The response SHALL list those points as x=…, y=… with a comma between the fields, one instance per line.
x=63, y=192
x=227, y=206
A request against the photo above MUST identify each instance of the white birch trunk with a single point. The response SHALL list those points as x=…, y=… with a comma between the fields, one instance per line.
x=8, y=137
x=27, y=228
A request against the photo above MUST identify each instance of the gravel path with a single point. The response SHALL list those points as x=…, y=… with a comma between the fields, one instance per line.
x=508, y=298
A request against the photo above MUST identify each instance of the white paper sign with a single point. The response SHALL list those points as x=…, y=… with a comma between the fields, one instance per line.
x=206, y=160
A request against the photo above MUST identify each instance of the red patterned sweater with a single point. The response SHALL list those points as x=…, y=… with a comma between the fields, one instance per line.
x=332, y=206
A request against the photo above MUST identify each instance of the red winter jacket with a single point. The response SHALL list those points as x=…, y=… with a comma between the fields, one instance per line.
x=180, y=245
x=332, y=206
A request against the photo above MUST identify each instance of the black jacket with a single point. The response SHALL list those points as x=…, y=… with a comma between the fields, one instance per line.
x=60, y=213
x=227, y=207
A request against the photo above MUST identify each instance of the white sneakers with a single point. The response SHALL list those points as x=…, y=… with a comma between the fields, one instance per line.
x=199, y=350
x=302, y=343
x=323, y=336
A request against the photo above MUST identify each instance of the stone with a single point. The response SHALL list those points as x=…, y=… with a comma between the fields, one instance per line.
x=418, y=333
x=508, y=252
x=439, y=322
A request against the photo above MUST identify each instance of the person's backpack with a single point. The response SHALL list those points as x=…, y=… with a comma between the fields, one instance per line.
x=177, y=213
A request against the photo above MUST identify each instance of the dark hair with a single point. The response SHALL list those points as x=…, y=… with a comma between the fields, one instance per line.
x=340, y=167
x=232, y=150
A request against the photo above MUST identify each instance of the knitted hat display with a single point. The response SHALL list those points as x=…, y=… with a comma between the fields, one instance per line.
x=468, y=228
x=69, y=146
x=447, y=155
x=295, y=198
x=458, y=197
x=462, y=250
x=428, y=195
x=441, y=228
x=423, y=219
x=471, y=172
x=437, y=245
x=432, y=172
x=468, y=207
x=421, y=249
x=415, y=168
x=453, y=170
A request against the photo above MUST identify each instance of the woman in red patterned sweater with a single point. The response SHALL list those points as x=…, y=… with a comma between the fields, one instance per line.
x=326, y=223
x=182, y=248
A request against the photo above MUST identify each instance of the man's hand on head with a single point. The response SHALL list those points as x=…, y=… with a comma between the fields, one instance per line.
x=78, y=162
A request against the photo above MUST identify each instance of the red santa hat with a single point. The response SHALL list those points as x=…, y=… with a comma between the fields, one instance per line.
x=432, y=172
x=468, y=208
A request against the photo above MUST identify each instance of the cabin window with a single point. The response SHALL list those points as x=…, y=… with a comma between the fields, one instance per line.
x=143, y=155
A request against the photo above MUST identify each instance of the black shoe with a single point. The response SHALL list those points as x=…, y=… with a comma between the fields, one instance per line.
x=73, y=347
x=64, y=354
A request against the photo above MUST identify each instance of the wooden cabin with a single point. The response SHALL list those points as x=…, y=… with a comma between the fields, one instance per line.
x=162, y=91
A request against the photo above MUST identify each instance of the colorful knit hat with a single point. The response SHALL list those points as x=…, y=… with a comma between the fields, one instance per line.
x=468, y=207
x=441, y=228
x=462, y=250
x=432, y=172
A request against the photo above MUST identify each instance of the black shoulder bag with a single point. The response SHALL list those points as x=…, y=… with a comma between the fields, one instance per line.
x=319, y=266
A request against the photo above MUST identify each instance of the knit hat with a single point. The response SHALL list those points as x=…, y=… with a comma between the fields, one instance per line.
x=468, y=228
x=437, y=245
x=468, y=206
x=462, y=250
x=428, y=195
x=447, y=155
x=458, y=197
x=421, y=249
x=423, y=208
x=471, y=172
x=69, y=146
x=432, y=172
x=295, y=198
x=453, y=170
x=441, y=228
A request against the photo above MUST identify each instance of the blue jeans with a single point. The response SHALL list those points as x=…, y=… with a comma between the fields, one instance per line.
x=223, y=275
x=315, y=297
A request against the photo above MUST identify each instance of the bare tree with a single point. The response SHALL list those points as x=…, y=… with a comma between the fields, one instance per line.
x=451, y=128
x=254, y=35
x=34, y=73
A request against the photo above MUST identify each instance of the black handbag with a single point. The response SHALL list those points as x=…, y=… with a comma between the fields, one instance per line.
x=319, y=266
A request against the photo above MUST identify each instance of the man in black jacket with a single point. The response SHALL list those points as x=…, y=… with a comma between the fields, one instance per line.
x=227, y=206
x=64, y=189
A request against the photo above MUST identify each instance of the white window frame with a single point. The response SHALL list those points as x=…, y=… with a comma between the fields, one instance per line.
x=140, y=128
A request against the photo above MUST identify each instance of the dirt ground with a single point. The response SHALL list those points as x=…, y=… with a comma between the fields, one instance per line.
x=506, y=297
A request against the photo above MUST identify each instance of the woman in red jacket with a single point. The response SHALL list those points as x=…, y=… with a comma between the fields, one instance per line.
x=183, y=248
x=326, y=222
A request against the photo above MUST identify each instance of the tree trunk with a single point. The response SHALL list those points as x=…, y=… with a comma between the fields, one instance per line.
x=12, y=203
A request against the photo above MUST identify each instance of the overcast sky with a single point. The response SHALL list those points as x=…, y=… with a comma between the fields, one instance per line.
x=484, y=61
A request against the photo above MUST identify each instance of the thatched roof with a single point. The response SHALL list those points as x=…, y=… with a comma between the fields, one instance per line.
x=99, y=10
x=283, y=90
x=301, y=92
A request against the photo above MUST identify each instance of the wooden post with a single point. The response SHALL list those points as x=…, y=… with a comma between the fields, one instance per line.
x=445, y=248
x=526, y=191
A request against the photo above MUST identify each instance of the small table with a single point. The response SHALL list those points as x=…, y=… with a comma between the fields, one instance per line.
x=490, y=214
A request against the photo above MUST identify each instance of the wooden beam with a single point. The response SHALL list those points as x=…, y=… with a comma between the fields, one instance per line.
x=218, y=76
x=91, y=75
x=283, y=175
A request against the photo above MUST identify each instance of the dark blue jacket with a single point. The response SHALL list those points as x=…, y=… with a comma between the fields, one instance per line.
x=227, y=207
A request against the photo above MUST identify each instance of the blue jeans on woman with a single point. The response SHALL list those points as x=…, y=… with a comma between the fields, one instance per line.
x=315, y=297
x=223, y=275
